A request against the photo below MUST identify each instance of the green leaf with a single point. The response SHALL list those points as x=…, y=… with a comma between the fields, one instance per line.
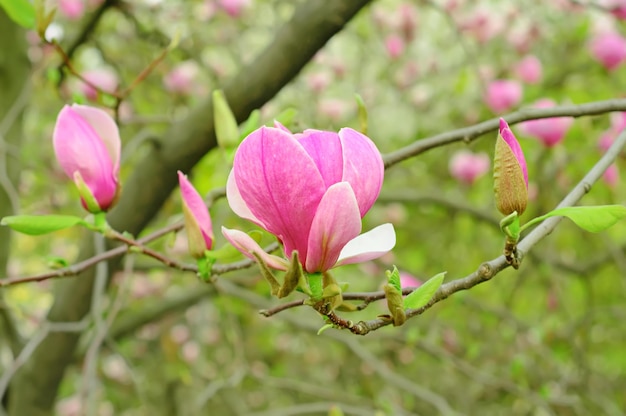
x=362, y=113
x=592, y=218
x=423, y=294
x=226, y=128
x=393, y=278
x=252, y=123
x=287, y=116
x=324, y=328
x=21, y=12
x=40, y=224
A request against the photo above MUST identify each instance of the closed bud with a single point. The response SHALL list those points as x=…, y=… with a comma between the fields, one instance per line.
x=510, y=173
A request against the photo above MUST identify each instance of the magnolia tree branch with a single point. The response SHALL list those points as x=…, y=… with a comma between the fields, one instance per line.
x=489, y=269
x=471, y=133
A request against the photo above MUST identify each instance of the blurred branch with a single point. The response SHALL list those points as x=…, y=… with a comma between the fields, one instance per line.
x=471, y=133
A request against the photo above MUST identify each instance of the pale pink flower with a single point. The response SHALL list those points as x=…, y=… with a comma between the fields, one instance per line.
x=407, y=17
x=611, y=176
x=234, y=8
x=482, y=25
x=466, y=166
x=103, y=78
x=550, y=131
x=529, y=69
x=618, y=123
x=87, y=146
x=71, y=9
x=318, y=81
x=310, y=190
x=408, y=280
x=395, y=46
x=197, y=218
x=609, y=48
x=181, y=79
x=502, y=95
x=333, y=108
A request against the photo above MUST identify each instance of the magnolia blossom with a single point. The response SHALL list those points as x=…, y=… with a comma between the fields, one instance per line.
x=502, y=95
x=234, y=8
x=466, y=166
x=103, y=78
x=395, y=46
x=529, y=69
x=609, y=49
x=310, y=190
x=181, y=79
x=408, y=280
x=87, y=145
x=197, y=218
x=72, y=9
x=550, y=131
x=510, y=173
x=618, y=124
x=611, y=176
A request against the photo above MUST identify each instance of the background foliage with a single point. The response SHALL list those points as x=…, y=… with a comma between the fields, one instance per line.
x=544, y=340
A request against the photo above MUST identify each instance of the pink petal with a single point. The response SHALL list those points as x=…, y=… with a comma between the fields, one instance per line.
x=509, y=138
x=368, y=246
x=246, y=245
x=336, y=222
x=363, y=167
x=197, y=207
x=105, y=128
x=236, y=202
x=324, y=147
x=78, y=148
x=280, y=185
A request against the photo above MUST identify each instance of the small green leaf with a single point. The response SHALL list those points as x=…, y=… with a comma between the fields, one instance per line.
x=393, y=278
x=287, y=116
x=362, y=113
x=21, y=12
x=56, y=262
x=252, y=123
x=423, y=294
x=324, y=328
x=592, y=218
x=40, y=224
x=315, y=283
x=226, y=128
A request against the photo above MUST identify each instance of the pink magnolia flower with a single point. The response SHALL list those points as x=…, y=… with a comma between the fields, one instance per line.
x=87, y=145
x=611, y=176
x=234, y=8
x=609, y=49
x=466, y=166
x=407, y=18
x=310, y=190
x=103, y=78
x=197, y=218
x=72, y=9
x=618, y=123
x=408, y=280
x=616, y=7
x=394, y=45
x=510, y=173
x=502, y=95
x=529, y=69
x=550, y=131
x=181, y=79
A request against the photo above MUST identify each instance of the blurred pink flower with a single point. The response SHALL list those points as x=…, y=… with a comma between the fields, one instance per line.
x=333, y=108
x=502, y=95
x=181, y=79
x=611, y=176
x=408, y=280
x=550, y=131
x=394, y=45
x=234, y=8
x=72, y=9
x=529, y=69
x=618, y=123
x=482, y=25
x=103, y=78
x=466, y=166
x=609, y=48
x=407, y=16
x=318, y=81
x=616, y=7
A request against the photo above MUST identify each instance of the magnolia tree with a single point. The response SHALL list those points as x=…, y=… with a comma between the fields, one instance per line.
x=299, y=168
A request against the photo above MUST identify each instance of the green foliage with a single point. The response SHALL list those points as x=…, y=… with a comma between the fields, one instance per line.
x=590, y=218
x=21, y=12
x=423, y=294
x=41, y=224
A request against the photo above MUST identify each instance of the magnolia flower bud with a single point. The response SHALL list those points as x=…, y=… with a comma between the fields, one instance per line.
x=510, y=173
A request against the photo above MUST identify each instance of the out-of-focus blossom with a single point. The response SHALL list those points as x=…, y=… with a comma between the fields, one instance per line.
x=394, y=45
x=318, y=81
x=529, y=69
x=482, y=25
x=502, y=95
x=616, y=7
x=103, y=78
x=234, y=8
x=611, y=176
x=407, y=16
x=181, y=79
x=72, y=9
x=618, y=123
x=550, y=131
x=466, y=166
x=197, y=219
x=87, y=145
x=333, y=108
x=510, y=173
x=310, y=190
x=608, y=48
x=408, y=280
